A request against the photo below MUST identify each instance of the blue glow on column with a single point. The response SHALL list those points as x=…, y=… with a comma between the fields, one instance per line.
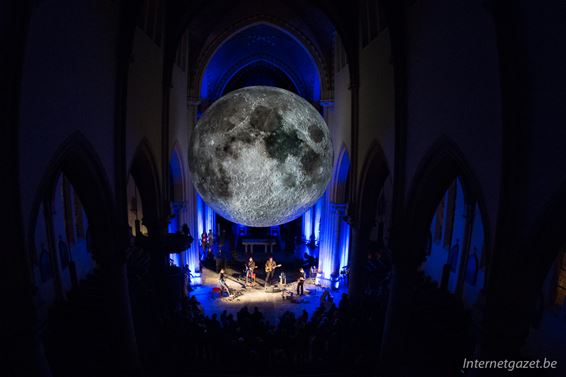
x=326, y=245
x=210, y=219
x=317, y=215
x=172, y=228
x=344, y=244
x=200, y=216
x=307, y=225
x=193, y=254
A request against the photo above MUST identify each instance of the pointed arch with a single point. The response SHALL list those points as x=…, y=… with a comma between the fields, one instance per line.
x=144, y=172
x=374, y=174
x=76, y=158
x=440, y=167
x=311, y=50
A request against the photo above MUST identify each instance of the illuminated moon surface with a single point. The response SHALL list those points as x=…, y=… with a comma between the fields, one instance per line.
x=260, y=156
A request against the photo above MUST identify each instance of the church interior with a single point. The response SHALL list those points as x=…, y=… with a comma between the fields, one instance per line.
x=438, y=247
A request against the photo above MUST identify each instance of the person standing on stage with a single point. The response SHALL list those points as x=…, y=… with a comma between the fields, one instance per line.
x=210, y=238
x=270, y=267
x=204, y=242
x=250, y=271
x=301, y=282
x=222, y=282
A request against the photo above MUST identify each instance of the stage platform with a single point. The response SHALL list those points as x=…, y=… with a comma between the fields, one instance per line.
x=270, y=302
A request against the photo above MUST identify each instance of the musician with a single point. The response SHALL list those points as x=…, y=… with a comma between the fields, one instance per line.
x=250, y=273
x=270, y=267
x=301, y=282
x=210, y=237
x=204, y=241
x=222, y=282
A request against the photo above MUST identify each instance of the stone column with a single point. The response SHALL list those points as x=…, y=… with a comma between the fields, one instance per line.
x=330, y=234
x=358, y=255
x=400, y=305
x=109, y=245
x=193, y=257
x=339, y=211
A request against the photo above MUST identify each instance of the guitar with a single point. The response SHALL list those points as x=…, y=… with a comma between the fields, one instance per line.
x=250, y=269
x=269, y=269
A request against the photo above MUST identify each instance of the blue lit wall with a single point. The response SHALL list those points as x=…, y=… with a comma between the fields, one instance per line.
x=334, y=244
x=176, y=172
x=261, y=43
x=344, y=245
x=206, y=218
x=307, y=224
x=317, y=214
x=312, y=220
x=200, y=216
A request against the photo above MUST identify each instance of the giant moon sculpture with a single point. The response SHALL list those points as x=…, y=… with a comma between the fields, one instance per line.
x=260, y=156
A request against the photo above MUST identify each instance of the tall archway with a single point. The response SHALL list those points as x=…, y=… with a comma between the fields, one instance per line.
x=144, y=174
x=374, y=175
x=72, y=213
x=285, y=30
x=334, y=252
x=178, y=199
x=77, y=161
x=447, y=222
x=254, y=42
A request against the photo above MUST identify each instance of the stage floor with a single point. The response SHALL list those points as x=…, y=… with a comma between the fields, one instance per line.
x=271, y=304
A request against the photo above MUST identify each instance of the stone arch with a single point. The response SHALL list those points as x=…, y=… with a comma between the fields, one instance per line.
x=144, y=172
x=240, y=65
x=374, y=173
x=440, y=167
x=78, y=161
x=206, y=54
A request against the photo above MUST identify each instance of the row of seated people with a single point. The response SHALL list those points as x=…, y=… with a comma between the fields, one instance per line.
x=342, y=338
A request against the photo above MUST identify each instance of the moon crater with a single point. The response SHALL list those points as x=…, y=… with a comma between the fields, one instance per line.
x=260, y=156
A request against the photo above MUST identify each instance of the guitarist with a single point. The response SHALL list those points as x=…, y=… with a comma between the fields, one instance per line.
x=270, y=267
x=250, y=271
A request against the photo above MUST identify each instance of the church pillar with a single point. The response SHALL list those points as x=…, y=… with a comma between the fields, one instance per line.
x=510, y=289
x=192, y=258
x=109, y=246
x=359, y=257
x=307, y=225
x=330, y=253
x=338, y=213
x=400, y=304
x=22, y=349
x=191, y=205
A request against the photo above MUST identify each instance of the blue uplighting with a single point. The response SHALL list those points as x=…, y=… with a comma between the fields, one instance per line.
x=261, y=43
x=307, y=224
